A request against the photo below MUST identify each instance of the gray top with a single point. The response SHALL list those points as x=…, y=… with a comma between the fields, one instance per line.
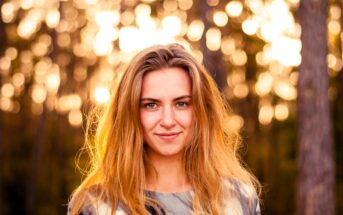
x=244, y=201
x=174, y=203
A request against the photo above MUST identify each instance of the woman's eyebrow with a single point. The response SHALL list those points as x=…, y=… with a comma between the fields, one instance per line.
x=183, y=97
x=149, y=99
x=156, y=100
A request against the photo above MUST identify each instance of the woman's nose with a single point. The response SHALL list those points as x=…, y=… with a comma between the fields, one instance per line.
x=168, y=120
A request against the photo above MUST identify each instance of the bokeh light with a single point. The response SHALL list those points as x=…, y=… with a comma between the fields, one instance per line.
x=281, y=112
x=220, y=18
x=101, y=94
x=75, y=118
x=236, y=122
x=265, y=115
x=234, y=8
x=213, y=39
x=91, y=40
x=195, y=30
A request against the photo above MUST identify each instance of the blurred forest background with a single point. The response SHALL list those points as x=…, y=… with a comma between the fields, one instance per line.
x=59, y=58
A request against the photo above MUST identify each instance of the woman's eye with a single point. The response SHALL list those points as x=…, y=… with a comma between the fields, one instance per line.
x=182, y=104
x=150, y=105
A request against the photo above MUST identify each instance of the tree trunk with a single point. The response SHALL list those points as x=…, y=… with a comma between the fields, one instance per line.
x=213, y=60
x=33, y=186
x=315, y=188
x=340, y=75
x=2, y=49
x=31, y=195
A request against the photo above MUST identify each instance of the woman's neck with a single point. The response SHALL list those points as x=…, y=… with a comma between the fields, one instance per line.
x=166, y=174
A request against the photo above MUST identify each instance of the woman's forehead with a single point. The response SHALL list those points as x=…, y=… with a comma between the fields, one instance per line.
x=166, y=81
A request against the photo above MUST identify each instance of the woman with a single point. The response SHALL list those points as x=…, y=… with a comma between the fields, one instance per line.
x=163, y=145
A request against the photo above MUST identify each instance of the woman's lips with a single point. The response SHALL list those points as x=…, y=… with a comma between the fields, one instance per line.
x=168, y=136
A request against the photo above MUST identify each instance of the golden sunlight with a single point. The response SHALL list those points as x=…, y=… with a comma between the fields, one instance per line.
x=101, y=94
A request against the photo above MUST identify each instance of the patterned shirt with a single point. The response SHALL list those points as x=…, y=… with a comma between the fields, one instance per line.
x=244, y=201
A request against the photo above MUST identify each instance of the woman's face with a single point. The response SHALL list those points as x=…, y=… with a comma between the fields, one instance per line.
x=166, y=112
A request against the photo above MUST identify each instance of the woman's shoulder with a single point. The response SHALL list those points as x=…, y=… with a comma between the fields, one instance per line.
x=93, y=203
x=241, y=197
x=241, y=188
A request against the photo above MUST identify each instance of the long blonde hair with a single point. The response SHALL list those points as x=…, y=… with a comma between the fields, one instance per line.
x=118, y=159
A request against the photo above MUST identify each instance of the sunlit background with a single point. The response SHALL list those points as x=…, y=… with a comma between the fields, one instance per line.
x=59, y=58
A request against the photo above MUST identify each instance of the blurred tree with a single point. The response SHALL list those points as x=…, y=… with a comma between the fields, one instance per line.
x=315, y=155
x=338, y=127
x=2, y=47
x=213, y=60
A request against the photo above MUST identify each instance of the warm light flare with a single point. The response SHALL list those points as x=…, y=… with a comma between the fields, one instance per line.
x=334, y=63
x=285, y=90
x=107, y=18
x=334, y=27
x=29, y=24
x=212, y=3
x=68, y=102
x=237, y=77
x=286, y=51
x=172, y=25
x=75, y=118
x=265, y=115
x=8, y=11
x=127, y=18
x=234, y=8
x=101, y=94
x=236, y=122
x=6, y=104
x=18, y=79
x=27, y=4
x=63, y=40
x=293, y=78
x=239, y=58
x=128, y=37
x=5, y=64
x=250, y=26
x=228, y=45
x=277, y=8
x=195, y=30
x=220, y=18
x=198, y=55
x=281, y=112
x=11, y=52
x=52, y=18
x=7, y=90
x=213, y=39
x=335, y=12
x=142, y=10
x=147, y=24
x=91, y=2
x=170, y=5
x=241, y=91
x=52, y=82
x=185, y=4
x=264, y=84
x=26, y=28
x=103, y=41
x=38, y=94
x=260, y=59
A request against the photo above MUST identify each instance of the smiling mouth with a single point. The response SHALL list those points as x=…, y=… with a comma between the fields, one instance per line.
x=168, y=136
